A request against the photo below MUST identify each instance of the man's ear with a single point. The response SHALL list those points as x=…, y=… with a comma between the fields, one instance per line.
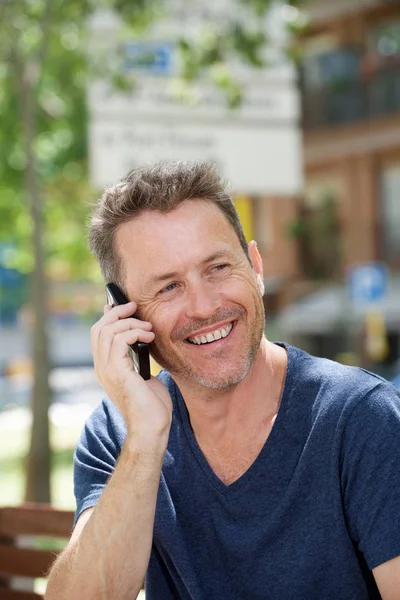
x=256, y=262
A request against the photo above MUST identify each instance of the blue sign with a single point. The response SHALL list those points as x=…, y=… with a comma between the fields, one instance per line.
x=152, y=58
x=368, y=283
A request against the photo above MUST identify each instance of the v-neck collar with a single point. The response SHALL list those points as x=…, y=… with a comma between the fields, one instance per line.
x=272, y=440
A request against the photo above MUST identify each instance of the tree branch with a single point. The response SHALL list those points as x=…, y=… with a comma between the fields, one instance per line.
x=45, y=29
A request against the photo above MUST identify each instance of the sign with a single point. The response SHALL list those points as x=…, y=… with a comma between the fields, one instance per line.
x=254, y=161
x=256, y=147
x=368, y=283
x=148, y=57
x=269, y=103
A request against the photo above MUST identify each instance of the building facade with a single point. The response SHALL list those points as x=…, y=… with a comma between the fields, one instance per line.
x=350, y=80
x=350, y=210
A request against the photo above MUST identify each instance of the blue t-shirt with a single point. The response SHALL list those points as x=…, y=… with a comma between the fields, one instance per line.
x=316, y=511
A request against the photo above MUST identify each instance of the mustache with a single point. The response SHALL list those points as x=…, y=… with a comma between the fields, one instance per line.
x=221, y=315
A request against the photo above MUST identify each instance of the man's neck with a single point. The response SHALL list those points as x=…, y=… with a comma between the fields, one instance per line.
x=220, y=413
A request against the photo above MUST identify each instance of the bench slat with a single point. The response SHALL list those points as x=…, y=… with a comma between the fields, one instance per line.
x=34, y=519
x=25, y=562
x=17, y=595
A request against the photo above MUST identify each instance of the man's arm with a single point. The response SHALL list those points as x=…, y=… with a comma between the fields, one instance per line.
x=109, y=551
x=387, y=577
x=108, y=554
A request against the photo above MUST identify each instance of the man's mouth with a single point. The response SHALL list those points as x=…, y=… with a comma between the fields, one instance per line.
x=212, y=336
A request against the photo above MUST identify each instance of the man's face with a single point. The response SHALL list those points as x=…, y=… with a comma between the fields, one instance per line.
x=191, y=279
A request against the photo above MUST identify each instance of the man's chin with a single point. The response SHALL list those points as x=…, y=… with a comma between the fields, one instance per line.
x=220, y=379
x=219, y=383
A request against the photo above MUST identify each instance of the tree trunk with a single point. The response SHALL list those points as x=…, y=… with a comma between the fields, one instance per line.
x=39, y=457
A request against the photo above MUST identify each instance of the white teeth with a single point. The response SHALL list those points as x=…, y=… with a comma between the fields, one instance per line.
x=211, y=337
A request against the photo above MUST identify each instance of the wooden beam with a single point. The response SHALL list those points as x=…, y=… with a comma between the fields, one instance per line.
x=36, y=519
x=25, y=562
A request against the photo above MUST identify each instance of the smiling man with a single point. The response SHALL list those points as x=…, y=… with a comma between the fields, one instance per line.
x=247, y=469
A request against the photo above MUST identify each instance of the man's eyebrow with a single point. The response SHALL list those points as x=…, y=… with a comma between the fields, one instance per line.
x=175, y=274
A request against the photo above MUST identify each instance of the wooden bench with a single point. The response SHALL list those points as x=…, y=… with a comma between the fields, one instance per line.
x=31, y=536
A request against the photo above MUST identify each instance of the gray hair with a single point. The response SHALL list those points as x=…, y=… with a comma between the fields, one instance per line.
x=160, y=187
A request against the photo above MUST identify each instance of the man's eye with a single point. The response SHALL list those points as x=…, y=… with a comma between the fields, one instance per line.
x=168, y=288
x=220, y=267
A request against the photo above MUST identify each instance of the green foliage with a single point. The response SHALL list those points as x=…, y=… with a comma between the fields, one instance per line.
x=44, y=43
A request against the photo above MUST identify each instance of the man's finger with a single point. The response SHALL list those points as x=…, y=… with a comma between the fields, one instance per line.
x=108, y=332
x=122, y=311
x=121, y=341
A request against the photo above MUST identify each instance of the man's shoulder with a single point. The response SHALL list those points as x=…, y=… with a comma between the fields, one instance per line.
x=334, y=384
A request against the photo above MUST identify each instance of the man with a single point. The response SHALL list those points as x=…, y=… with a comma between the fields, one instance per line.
x=248, y=469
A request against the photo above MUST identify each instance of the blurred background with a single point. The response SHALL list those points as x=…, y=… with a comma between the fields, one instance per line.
x=299, y=105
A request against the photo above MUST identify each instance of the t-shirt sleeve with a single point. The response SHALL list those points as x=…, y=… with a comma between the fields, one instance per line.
x=96, y=453
x=370, y=476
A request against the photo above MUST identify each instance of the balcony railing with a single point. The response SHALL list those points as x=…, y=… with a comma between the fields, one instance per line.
x=373, y=93
x=322, y=12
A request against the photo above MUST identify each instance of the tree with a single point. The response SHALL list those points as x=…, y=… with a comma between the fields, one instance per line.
x=44, y=189
x=42, y=64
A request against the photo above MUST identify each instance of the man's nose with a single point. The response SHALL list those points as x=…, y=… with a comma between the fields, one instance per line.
x=202, y=300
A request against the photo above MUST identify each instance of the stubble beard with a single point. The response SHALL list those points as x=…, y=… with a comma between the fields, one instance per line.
x=218, y=379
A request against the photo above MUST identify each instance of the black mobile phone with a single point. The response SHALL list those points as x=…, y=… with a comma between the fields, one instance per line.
x=139, y=352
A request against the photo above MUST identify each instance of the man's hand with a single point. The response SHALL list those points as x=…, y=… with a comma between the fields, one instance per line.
x=145, y=405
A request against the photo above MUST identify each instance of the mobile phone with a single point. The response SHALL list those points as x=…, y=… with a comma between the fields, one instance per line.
x=139, y=352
